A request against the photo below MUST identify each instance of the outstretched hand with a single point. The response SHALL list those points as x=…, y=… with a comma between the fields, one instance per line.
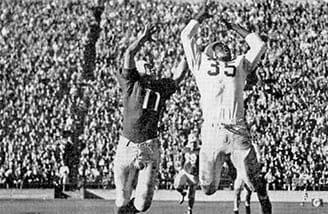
x=203, y=12
x=149, y=30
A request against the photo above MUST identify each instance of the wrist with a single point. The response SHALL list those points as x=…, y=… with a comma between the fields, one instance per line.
x=200, y=18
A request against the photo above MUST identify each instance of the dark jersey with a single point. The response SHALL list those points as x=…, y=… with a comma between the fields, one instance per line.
x=190, y=161
x=143, y=101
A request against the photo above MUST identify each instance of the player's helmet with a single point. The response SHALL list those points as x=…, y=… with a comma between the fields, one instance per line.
x=218, y=50
x=143, y=67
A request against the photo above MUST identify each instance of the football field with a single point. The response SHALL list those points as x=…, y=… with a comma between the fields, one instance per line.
x=158, y=207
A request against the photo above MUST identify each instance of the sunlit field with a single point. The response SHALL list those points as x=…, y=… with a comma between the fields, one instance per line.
x=158, y=207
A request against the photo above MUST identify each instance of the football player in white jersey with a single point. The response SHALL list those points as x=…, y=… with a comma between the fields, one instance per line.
x=221, y=80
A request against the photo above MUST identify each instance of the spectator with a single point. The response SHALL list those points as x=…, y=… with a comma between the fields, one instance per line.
x=64, y=176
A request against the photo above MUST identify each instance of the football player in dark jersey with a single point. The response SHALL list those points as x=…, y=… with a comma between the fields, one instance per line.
x=188, y=173
x=137, y=152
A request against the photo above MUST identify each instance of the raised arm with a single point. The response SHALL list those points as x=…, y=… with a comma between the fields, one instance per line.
x=239, y=29
x=129, y=74
x=257, y=46
x=191, y=49
x=180, y=71
x=256, y=51
x=131, y=51
x=89, y=53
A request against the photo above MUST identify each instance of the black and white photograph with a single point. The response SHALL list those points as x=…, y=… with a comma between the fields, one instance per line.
x=163, y=106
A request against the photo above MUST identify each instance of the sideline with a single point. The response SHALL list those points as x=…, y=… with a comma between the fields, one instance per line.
x=222, y=195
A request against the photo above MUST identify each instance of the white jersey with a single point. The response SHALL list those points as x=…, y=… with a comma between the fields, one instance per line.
x=221, y=83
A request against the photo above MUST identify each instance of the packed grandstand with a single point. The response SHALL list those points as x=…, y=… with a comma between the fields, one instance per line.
x=52, y=116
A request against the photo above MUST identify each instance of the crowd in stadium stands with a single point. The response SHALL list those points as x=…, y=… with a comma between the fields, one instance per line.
x=43, y=92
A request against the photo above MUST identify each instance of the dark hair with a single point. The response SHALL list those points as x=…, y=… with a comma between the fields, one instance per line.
x=221, y=44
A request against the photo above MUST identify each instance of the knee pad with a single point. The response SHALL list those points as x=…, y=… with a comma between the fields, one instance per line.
x=260, y=186
x=142, y=206
x=121, y=202
x=208, y=189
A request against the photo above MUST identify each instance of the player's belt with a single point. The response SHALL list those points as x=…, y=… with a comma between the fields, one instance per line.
x=147, y=145
x=236, y=129
x=144, y=153
x=144, y=143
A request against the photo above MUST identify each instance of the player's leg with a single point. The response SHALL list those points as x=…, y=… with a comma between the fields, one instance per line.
x=123, y=177
x=146, y=182
x=262, y=195
x=211, y=159
x=237, y=191
x=191, y=196
x=249, y=169
x=180, y=181
x=210, y=173
x=253, y=169
x=248, y=199
x=219, y=161
x=206, y=172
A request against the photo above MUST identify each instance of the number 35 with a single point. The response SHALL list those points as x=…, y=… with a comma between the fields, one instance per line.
x=229, y=70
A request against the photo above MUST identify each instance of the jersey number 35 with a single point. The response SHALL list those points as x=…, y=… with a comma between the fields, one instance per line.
x=229, y=70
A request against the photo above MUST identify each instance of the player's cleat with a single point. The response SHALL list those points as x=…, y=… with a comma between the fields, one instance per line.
x=235, y=212
x=183, y=195
x=189, y=210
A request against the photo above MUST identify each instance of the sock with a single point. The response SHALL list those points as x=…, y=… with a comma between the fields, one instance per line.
x=266, y=206
x=248, y=209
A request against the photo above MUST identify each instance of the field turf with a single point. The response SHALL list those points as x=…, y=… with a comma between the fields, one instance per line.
x=158, y=207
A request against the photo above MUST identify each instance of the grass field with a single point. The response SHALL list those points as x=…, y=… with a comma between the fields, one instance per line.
x=158, y=207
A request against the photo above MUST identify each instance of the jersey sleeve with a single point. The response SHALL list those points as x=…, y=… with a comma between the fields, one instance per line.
x=127, y=77
x=191, y=49
x=254, y=54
